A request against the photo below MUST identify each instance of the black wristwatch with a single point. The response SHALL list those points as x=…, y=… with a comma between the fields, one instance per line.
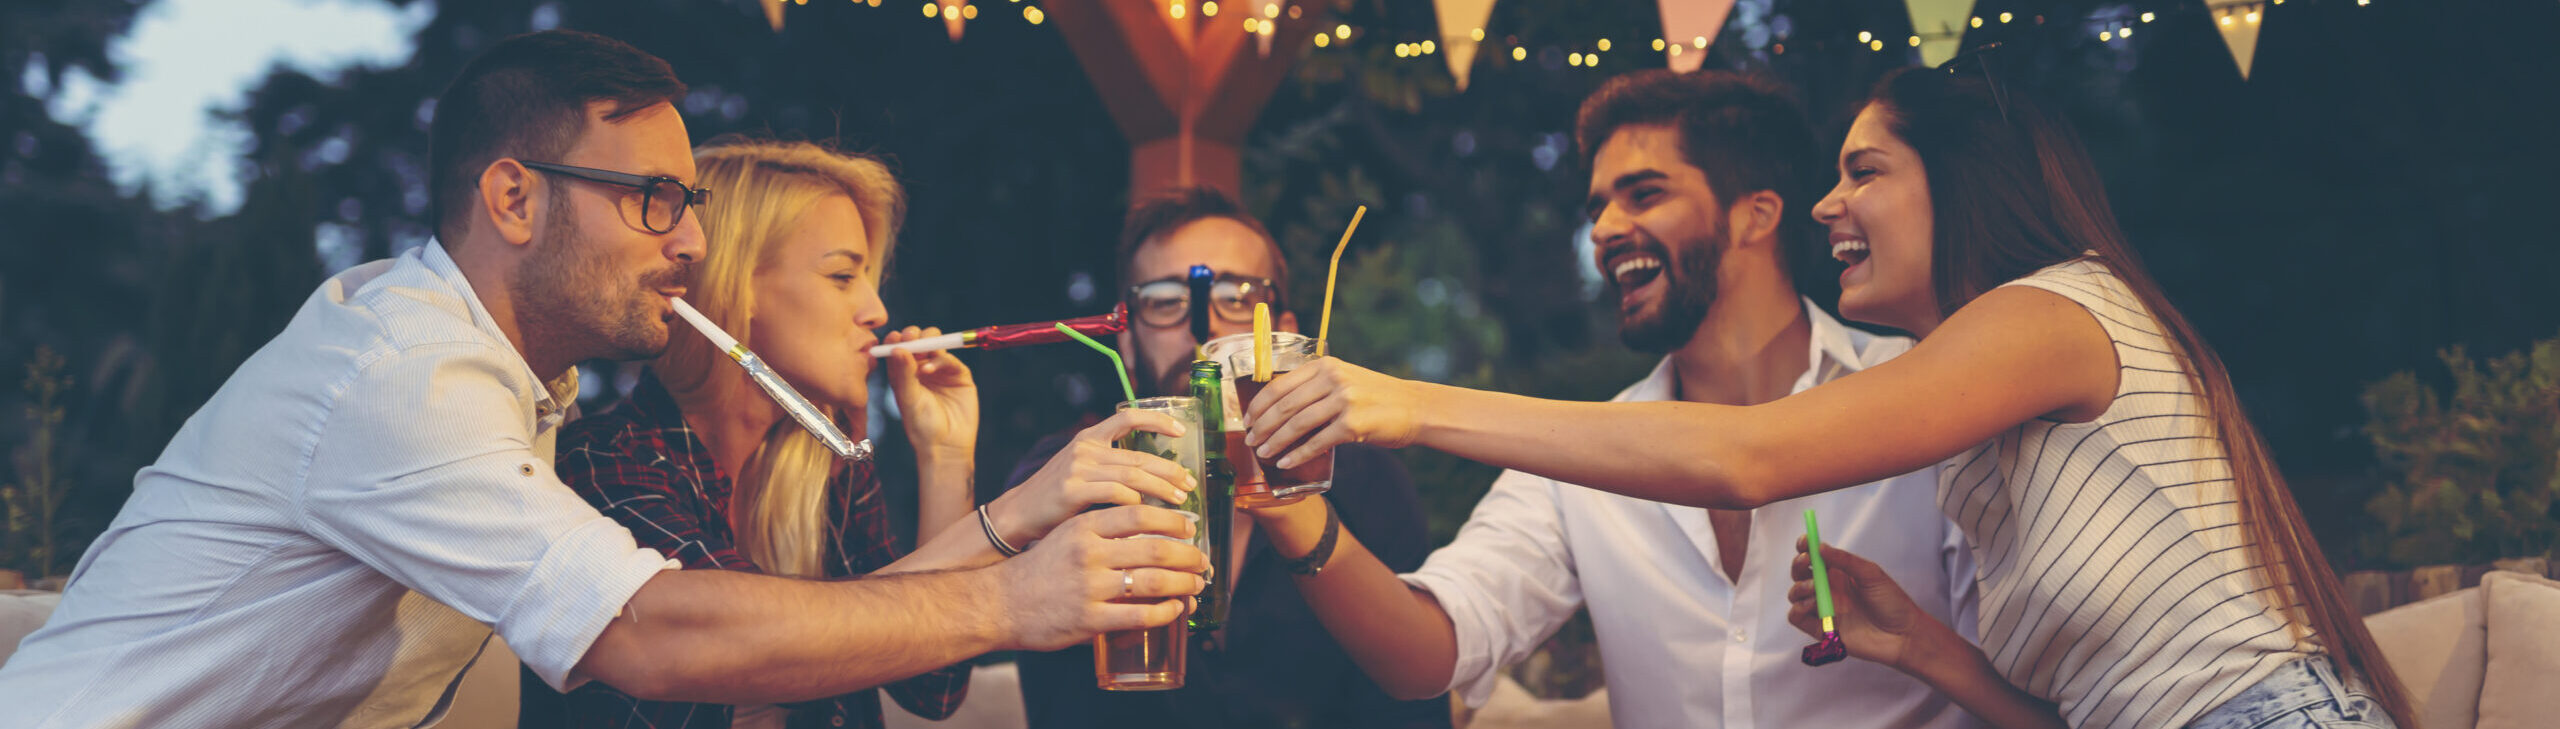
x=1316, y=558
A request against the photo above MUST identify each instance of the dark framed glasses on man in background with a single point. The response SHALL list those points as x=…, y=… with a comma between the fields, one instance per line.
x=1166, y=302
x=663, y=199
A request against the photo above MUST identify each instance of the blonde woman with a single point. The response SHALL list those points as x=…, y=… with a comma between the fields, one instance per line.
x=701, y=465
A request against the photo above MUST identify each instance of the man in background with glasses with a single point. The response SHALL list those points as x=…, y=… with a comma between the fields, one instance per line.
x=1272, y=665
x=334, y=537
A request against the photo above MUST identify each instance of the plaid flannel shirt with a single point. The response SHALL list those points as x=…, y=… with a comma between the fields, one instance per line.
x=640, y=464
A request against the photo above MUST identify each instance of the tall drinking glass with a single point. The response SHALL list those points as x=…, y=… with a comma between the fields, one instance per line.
x=1155, y=659
x=1266, y=484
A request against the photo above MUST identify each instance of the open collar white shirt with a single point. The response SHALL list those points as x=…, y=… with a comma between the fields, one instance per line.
x=1681, y=645
x=331, y=539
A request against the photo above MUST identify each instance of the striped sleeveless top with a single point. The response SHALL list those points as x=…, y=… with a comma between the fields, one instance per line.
x=2113, y=576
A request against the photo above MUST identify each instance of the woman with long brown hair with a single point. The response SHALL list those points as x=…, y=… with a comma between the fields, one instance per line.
x=2142, y=563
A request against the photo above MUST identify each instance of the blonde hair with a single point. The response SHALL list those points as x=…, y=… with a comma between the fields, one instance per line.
x=778, y=508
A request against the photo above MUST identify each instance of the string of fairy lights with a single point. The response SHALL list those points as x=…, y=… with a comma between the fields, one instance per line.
x=1263, y=20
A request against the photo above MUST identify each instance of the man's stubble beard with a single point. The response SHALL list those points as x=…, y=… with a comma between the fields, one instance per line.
x=1689, y=290
x=567, y=297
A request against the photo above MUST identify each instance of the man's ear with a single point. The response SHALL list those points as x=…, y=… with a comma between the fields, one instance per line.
x=1756, y=217
x=506, y=195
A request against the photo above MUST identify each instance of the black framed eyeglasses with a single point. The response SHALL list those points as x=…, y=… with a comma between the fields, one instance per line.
x=663, y=199
x=1166, y=302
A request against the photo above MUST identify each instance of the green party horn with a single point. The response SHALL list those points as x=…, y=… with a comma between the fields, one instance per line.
x=1829, y=649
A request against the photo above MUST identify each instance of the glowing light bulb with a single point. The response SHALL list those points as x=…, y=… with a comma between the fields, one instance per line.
x=2146, y=17
x=1977, y=21
x=1323, y=40
x=1519, y=54
x=1875, y=45
x=1176, y=10
x=1430, y=47
x=1209, y=9
x=1604, y=45
x=1864, y=36
x=1915, y=41
x=1032, y=14
x=1658, y=44
x=2004, y=17
x=1477, y=34
x=1342, y=32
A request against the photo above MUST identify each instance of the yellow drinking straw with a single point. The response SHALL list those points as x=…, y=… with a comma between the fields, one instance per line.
x=1324, y=326
x=1261, y=342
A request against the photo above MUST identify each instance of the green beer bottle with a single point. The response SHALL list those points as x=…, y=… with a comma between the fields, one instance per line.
x=1215, y=499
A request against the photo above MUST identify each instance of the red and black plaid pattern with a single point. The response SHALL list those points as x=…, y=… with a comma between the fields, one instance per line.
x=640, y=464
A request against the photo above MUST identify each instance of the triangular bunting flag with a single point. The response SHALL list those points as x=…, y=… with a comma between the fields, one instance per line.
x=952, y=11
x=1689, y=27
x=1461, y=32
x=1940, y=26
x=2239, y=28
x=773, y=14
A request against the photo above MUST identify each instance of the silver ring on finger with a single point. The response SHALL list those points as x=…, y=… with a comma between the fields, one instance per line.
x=1128, y=582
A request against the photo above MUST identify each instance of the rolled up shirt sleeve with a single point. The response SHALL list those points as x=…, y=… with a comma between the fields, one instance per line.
x=1507, y=581
x=427, y=472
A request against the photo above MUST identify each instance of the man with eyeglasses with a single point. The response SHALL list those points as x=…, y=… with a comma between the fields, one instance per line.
x=1273, y=664
x=334, y=537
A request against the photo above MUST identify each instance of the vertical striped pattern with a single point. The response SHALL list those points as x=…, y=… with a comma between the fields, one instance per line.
x=2115, y=580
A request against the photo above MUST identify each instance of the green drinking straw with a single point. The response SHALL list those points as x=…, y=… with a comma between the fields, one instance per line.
x=1821, y=576
x=1122, y=369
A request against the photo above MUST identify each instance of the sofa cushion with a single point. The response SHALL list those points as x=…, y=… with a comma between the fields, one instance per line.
x=22, y=612
x=2439, y=648
x=2524, y=651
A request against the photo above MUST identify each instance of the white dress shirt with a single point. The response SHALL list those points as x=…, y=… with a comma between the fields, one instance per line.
x=328, y=541
x=1681, y=645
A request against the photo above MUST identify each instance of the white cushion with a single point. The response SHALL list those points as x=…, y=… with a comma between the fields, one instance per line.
x=1511, y=707
x=2524, y=652
x=2438, y=646
x=22, y=612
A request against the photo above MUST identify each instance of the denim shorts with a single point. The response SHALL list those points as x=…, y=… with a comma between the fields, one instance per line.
x=2304, y=694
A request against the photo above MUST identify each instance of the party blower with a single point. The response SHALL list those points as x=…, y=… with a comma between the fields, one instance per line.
x=799, y=407
x=1829, y=649
x=1015, y=335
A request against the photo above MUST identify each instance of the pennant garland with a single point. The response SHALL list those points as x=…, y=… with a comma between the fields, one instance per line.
x=1697, y=20
x=1461, y=31
x=2239, y=28
x=1941, y=20
x=1689, y=28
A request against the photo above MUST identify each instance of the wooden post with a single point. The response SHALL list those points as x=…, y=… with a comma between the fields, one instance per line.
x=2426, y=582
x=2369, y=591
x=1184, y=91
